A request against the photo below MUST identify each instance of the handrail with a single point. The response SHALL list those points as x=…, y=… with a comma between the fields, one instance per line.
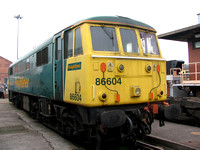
x=189, y=74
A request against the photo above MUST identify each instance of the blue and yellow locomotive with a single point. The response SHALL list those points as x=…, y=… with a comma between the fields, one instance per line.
x=101, y=77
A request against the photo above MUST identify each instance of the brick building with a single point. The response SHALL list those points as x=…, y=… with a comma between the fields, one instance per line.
x=191, y=35
x=189, y=77
x=4, y=64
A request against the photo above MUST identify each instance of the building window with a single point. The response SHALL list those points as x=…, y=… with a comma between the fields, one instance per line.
x=78, y=43
x=197, y=44
x=42, y=57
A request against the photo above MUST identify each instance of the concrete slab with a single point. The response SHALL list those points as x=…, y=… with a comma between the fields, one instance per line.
x=179, y=133
x=19, y=131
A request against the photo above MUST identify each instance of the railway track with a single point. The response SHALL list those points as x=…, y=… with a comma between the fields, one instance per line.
x=150, y=143
x=146, y=146
x=166, y=144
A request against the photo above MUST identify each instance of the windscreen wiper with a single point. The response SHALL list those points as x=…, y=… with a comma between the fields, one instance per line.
x=109, y=34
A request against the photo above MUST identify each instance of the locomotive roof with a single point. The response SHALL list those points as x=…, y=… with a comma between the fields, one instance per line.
x=116, y=20
x=38, y=48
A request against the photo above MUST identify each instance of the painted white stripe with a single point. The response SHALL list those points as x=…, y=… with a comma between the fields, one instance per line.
x=93, y=87
x=126, y=57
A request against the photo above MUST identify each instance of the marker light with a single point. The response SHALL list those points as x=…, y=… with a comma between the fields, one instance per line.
x=117, y=98
x=151, y=96
x=158, y=68
x=120, y=68
x=160, y=93
x=148, y=68
x=103, y=96
x=103, y=67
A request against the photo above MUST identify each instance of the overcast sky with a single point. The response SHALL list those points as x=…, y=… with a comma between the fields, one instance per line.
x=43, y=18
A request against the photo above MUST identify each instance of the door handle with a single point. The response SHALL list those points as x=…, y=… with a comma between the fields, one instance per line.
x=55, y=85
x=55, y=66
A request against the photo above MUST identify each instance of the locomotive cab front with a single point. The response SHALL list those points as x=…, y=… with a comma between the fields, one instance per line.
x=119, y=65
x=119, y=76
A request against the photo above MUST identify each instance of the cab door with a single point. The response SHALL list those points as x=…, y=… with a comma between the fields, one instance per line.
x=58, y=84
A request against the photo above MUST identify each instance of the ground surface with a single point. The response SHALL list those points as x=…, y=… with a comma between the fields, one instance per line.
x=20, y=132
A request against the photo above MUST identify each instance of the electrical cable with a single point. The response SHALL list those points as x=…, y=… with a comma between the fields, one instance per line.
x=109, y=88
x=158, y=84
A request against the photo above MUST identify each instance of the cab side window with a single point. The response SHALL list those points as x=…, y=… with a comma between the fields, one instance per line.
x=68, y=44
x=78, y=43
x=58, y=48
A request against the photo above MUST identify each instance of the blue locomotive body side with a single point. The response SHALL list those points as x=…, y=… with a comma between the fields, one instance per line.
x=30, y=78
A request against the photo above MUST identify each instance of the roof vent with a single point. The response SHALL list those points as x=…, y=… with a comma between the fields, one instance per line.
x=198, y=18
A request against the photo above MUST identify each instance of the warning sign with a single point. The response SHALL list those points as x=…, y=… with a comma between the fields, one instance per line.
x=110, y=66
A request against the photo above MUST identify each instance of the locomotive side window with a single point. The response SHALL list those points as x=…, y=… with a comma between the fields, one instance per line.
x=11, y=71
x=15, y=69
x=58, y=48
x=149, y=43
x=39, y=58
x=104, y=39
x=78, y=43
x=129, y=41
x=28, y=64
x=42, y=57
x=21, y=66
x=68, y=44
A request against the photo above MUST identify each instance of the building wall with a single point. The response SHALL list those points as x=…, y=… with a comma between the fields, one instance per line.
x=4, y=64
x=194, y=54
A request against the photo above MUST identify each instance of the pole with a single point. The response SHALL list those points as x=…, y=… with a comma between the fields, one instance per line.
x=18, y=17
x=17, y=37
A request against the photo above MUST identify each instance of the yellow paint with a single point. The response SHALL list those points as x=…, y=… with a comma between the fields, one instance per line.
x=21, y=83
x=96, y=66
x=134, y=74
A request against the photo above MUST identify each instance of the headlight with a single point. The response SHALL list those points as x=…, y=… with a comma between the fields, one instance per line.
x=137, y=91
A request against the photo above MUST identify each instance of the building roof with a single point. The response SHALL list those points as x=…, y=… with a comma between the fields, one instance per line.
x=5, y=59
x=184, y=34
